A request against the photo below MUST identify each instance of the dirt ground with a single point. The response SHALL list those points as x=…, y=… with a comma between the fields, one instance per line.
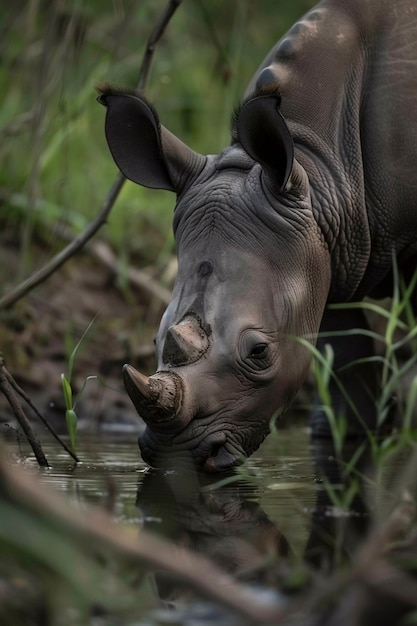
x=38, y=334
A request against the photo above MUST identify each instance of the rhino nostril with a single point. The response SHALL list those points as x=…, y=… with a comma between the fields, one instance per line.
x=221, y=456
x=215, y=449
x=212, y=445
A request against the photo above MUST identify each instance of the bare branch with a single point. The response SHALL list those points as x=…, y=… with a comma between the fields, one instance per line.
x=20, y=415
x=43, y=419
x=62, y=257
x=137, y=278
x=156, y=35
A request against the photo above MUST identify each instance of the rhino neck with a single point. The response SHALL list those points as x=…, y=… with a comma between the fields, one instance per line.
x=339, y=208
x=318, y=69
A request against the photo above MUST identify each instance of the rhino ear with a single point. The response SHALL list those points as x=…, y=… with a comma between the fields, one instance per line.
x=144, y=151
x=265, y=136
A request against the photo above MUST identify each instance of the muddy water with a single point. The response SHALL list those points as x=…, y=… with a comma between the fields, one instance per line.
x=279, y=477
x=277, y=505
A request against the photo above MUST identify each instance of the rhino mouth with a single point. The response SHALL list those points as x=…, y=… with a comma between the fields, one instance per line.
x=212, y=454
x=221, y=460
x=174, y=435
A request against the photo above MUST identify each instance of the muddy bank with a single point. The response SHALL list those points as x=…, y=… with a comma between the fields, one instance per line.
x=38, y=334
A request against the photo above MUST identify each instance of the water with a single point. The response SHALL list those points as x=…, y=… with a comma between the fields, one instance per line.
x=279, y=477
x=277, y=506
x=107, y=475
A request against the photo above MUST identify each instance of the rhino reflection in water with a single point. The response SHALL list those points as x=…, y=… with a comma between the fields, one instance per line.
x=228, y=524
x=309, y=205
x=225, y=523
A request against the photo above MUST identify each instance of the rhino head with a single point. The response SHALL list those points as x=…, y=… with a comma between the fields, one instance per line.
x=253, y=274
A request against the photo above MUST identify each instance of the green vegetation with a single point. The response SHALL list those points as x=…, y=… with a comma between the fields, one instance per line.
x=56, y=165
x=56, y=171
x=71, y=417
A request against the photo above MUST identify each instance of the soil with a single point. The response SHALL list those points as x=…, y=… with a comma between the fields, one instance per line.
x=38, y=334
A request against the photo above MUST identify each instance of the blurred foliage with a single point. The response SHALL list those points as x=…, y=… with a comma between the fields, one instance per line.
x=56, y=167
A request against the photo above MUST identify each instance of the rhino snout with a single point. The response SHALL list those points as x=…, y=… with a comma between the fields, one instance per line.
x=212, y=453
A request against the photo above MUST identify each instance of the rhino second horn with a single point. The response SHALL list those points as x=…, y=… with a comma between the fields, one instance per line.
x=185, y=343
x=157, y=399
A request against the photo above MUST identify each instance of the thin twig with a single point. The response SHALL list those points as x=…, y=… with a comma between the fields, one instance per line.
x=20, y=415
x=103, y=253
x=62, y=257
x=156, y=35
x=26, y=398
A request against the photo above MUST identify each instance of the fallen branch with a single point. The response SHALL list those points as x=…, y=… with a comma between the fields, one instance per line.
x=43, y=419
x=20, y=415
x=77, y=244
x=103, y=253
x=62, y=257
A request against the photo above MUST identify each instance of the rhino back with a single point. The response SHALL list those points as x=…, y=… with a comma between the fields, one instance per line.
x=347, y=77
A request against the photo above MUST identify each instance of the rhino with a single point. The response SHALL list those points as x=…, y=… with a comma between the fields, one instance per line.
x=312, y=203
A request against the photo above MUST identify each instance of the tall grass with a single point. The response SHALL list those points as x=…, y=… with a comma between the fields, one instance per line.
x=398, y=392
x=56, y=167
x=399, y=356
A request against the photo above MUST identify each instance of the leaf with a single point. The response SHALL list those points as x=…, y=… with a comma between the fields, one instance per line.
x=67, y=392
x=72, y=421
x=74, y=352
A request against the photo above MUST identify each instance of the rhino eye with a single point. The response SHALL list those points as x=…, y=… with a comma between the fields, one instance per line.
x=258, y=351
x=255, y=353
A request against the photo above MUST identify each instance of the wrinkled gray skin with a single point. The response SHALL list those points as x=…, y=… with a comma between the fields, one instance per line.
x=308, y=206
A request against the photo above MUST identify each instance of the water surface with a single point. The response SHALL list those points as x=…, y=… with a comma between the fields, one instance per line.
x=280, y=476
x=277, y=506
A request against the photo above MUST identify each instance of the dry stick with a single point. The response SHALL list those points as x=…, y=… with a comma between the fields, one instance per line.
x=8, y=391
x=25, y=397
x=62, y=257
x=137, y=278
x=156, y=35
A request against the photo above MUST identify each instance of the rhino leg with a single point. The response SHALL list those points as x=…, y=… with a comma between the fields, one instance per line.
x=361, y=382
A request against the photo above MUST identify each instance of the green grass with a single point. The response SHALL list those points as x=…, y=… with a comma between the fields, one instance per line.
x=399, y=359
x=56, y=170
x=56, y=167
x=71, y=417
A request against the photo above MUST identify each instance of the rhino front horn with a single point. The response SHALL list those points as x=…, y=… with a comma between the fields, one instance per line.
x=157, y=399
